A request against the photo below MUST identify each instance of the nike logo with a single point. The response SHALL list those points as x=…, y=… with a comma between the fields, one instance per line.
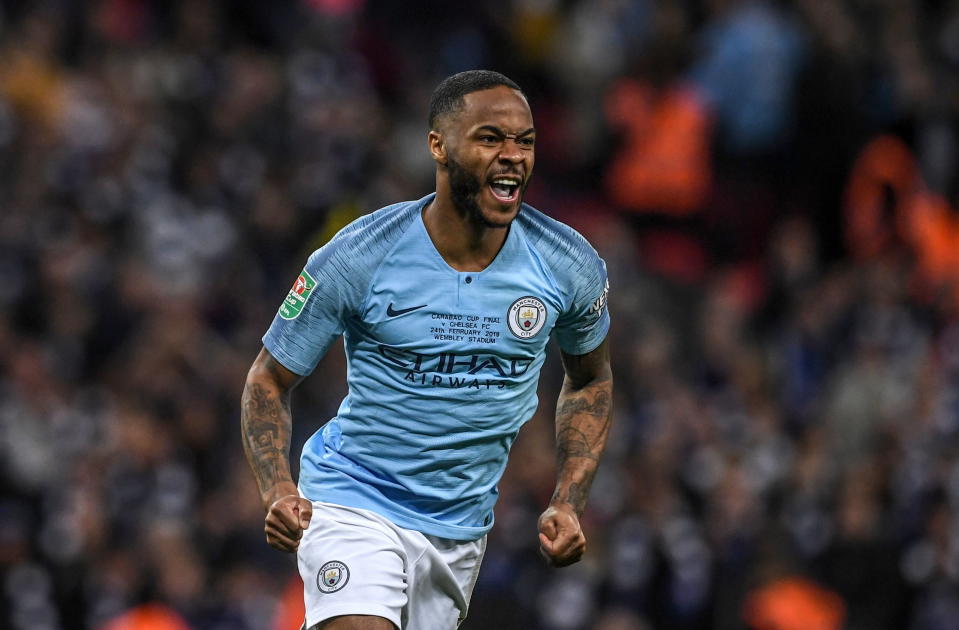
x=394, y=312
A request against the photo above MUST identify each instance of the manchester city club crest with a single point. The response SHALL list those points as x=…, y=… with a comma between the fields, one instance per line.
x=332, y=577
x=526, y=317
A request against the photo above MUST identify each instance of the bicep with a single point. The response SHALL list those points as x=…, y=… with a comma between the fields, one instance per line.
x=592, y=367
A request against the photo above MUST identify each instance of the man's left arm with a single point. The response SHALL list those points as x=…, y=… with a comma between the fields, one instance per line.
x=583, y=414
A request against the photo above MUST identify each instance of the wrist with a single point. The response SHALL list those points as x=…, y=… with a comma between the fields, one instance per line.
x=277, y=491
x=572, y=494
x=563, y=506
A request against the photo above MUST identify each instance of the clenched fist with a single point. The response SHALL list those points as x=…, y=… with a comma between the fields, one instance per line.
x=286, y=518
x=561, y=539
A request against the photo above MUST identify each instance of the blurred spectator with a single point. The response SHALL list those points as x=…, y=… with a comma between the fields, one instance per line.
x=890, y=207
x=747, y=70
x=661, y=174
x=148, y=617
x=793, y=604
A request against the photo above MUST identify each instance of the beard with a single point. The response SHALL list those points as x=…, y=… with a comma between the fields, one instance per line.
x=465, y=190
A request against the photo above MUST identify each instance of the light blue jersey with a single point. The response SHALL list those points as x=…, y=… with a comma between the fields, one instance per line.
x=442, y=365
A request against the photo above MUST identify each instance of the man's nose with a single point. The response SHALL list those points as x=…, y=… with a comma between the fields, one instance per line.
x=511, y=151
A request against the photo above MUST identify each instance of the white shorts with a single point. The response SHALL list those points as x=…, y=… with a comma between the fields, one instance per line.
x=356, y=562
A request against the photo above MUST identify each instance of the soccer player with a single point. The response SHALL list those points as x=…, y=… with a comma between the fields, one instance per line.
x=446, y=305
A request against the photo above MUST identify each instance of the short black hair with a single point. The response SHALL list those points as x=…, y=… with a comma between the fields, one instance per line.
x=448, y=95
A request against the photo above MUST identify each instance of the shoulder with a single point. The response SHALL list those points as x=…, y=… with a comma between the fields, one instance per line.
x=369, y=238
x=561, y=247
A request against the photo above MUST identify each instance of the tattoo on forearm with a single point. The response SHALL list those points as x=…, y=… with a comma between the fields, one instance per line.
x=265, y=417
x=596, y=405
x=582, y=426
x=577, y=493
x=571, y=442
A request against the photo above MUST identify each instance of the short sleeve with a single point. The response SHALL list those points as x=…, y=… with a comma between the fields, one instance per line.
x=585, y=322
x=312, y=314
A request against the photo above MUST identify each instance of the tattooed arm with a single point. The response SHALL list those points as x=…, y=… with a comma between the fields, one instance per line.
x=266, y=423
x=582, y=425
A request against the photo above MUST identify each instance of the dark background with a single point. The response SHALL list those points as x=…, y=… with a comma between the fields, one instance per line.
x=772, y=184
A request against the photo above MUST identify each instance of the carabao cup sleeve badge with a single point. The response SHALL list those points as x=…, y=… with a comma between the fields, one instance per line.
x=526, y=317
x=332, y=576
x=296, y=299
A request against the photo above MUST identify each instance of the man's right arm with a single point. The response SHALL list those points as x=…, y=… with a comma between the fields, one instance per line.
x=267, y=424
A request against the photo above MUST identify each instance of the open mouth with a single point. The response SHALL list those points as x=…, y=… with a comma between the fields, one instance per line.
x=505, y=188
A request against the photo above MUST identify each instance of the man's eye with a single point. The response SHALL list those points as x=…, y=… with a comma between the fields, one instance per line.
x=527, y=142
x=488, y=139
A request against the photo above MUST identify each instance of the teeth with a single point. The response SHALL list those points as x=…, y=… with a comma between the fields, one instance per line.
x=506, y=182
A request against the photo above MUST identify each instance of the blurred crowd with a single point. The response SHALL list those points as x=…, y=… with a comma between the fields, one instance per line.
x=774, y=185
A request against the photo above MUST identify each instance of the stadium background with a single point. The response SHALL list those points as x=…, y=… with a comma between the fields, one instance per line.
x=773, y=185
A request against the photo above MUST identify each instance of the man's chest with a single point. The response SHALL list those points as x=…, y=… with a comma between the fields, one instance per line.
x=425, y=311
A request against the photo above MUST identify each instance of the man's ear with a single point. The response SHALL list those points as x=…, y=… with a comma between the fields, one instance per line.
x=437, y=145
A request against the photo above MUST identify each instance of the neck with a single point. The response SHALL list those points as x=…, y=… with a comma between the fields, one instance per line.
x=464, y=243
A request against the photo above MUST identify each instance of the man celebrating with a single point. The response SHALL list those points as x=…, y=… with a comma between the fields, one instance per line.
x=446, y=305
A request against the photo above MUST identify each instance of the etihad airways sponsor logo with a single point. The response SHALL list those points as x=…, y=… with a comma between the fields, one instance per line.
x=451, y=363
